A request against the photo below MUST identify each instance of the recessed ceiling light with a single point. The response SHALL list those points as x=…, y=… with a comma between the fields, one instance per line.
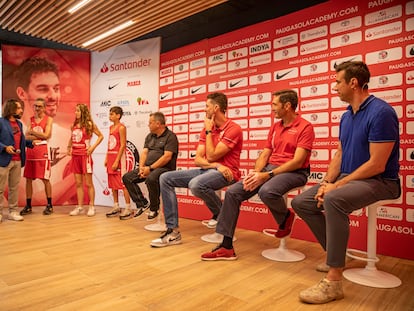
x=108, y=33
x=78, y=6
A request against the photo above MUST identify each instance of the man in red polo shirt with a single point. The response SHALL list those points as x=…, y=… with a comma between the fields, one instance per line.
x=281, y=166
x=218, y=159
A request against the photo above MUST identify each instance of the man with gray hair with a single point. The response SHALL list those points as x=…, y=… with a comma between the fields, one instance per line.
x=158, y=156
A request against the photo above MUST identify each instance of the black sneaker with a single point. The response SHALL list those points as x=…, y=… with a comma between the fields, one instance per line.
x=26, y=210
x=140, y=210
x=48, y=210
x=152, y=215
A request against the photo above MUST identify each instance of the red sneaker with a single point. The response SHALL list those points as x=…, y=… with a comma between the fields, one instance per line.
x=219, y=253
x=281, y=233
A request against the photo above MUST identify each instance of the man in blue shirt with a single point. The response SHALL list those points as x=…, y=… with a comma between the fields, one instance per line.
x=364, y=170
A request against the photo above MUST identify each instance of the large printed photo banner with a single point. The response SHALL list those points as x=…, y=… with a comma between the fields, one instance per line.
x=125, y=76
x=70, y=87
x=299, y=51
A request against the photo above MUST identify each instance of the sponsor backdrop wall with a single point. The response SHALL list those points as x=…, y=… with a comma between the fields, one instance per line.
x=125, y=76
x=74, y=85
x=300, y=51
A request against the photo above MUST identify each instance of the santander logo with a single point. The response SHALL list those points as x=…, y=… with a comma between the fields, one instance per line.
x=104, y=68
x=127, y=65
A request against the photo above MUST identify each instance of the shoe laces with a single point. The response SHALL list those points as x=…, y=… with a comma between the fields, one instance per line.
x=217, y=248
x=169, y=231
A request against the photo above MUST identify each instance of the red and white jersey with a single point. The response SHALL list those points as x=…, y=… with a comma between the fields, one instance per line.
x=114, y=143
x=80, y=140
x=39, y=152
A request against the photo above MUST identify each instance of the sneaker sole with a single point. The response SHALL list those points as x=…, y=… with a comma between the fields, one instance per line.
x=126, y=217
x=156, y=245
x=111, y=215
x=219, y=258
x=15, y=219
x=316, y=302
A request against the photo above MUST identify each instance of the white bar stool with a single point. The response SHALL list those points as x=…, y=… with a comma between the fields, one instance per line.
x=282, y=253
x=215, y=237
x=370, y=276
x=159, y=226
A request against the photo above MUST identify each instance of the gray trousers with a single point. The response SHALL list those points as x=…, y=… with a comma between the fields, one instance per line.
x=331, y=227
x=10, y=175
x=271, y=193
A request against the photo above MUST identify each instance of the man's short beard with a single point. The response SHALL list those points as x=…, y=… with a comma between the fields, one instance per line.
x=17, y=116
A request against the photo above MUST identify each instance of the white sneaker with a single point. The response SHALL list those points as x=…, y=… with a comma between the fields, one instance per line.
x=15, y=216
x=91, y=211
x=169, y=237
x=76, y=211
x=212, y=223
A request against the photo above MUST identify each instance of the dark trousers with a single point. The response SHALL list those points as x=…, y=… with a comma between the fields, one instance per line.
x=131, y=181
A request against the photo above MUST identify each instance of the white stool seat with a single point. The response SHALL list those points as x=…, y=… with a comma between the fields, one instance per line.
x=282, y=253
x=370, y=275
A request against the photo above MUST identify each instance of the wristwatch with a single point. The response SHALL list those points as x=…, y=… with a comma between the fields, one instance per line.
x=271, y=174
x=208, y=132
x=151, y=168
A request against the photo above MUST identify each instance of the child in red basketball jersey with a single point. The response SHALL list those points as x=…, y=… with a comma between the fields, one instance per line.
x=115, y=163
x=80, y=148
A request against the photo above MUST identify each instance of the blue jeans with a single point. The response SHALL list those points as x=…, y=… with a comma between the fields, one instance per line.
x=202, y=182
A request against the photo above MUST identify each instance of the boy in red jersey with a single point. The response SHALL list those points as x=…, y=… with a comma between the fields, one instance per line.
x=115, y=162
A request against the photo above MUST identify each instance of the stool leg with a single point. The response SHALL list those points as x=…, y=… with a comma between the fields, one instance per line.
x=370, y=276
x=159, y=226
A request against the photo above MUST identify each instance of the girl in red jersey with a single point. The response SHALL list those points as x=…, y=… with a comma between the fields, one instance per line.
x=80, y=148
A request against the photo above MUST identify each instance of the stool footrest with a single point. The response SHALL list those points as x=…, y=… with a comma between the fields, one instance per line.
x=269, y=232
x=350, y=251
x=215, y=238
x=156, y=227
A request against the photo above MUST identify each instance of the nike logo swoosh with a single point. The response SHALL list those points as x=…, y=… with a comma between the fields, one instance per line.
x=412, y=51
x=195, y=90
x=349, y=60
x=278, y=76
x=164, y=96
x=110, y=87
x=192, y=155
x=233, y=84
